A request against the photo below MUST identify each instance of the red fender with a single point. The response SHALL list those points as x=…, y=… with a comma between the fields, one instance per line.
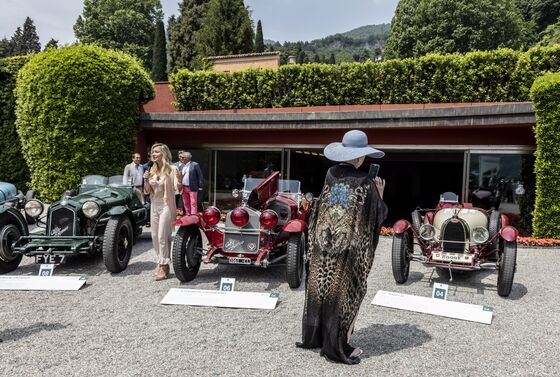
x=401, y=226
x=188, y=220
x=294, y=226
x=429, y=218
x=508, y=233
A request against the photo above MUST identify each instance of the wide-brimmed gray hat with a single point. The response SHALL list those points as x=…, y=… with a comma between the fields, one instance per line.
x=354, y=144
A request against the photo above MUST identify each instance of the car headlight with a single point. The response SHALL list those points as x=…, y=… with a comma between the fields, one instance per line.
x=427, y=232
x=235, y=193
x=480, y=234
x=90, y=209
x=309, y=197
x=33, y=208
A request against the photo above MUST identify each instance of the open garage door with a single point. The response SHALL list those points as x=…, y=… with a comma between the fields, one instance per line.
x=413, y=178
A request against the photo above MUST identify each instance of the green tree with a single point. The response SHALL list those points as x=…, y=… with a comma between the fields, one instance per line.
x=332, y=60
x=545, y=13
x=446, y=26
x=226, y=29
x=551, y=35
x=52, y=43
x=259, y=40
x=159, y=60
x=5, y=48
x=29, y=38
x=181, y=32
x=89, y=123
x=126, y=25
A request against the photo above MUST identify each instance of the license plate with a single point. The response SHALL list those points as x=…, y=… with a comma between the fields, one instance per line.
x=453, y=257
x=233, y=260
x=49, y=259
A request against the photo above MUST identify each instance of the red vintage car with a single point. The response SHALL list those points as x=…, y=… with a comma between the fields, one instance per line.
x=269, y=227
x=456, y=237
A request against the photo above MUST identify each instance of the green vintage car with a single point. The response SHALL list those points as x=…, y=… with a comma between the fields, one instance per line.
x=105, y=215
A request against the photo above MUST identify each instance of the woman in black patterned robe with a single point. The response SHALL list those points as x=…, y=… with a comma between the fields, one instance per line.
x=343, y=235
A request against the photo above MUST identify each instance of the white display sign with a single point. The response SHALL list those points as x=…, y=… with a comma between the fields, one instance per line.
x=428, y=305
x=42, y=283
x=227, y=284
x=223, y=299
x=46, y=270
x=440, y=291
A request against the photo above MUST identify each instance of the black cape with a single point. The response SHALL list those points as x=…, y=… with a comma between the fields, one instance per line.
x=343, y=235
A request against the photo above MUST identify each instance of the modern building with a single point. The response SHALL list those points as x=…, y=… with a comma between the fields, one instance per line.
x=430, y=148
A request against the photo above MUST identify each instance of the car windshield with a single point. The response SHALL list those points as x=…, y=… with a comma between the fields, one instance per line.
x=94, y=180
x=284, y=185
x=118, y=180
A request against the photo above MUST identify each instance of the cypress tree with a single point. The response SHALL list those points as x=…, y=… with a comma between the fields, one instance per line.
x=29, y=38
x=259, y=41
x=53, y=43
x=159, y=59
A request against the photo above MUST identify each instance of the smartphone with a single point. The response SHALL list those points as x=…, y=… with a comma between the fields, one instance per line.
x=373, y=170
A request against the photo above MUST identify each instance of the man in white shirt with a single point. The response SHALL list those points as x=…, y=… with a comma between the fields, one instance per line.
x=135, y=172
x=192, y=183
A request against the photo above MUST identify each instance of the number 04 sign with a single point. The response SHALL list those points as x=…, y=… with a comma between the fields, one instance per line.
x=440, y=291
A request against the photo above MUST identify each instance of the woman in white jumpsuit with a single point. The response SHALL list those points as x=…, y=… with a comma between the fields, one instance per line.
x=160, y=182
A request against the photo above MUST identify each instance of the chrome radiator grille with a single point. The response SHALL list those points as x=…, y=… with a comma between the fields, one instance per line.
x=62, y=222
x=454, y=236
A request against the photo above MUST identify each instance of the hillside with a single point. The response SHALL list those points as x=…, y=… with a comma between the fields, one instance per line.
x=360, y=44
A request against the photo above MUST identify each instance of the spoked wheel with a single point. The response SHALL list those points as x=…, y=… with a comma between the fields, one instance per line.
x=117, y=243
x=506, y=270
x=494, y=226
x=294, y=259
x=186, y=253
x=9, y=234
x=401, y=252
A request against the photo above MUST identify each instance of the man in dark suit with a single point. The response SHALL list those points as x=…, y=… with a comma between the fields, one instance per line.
x=192, y=183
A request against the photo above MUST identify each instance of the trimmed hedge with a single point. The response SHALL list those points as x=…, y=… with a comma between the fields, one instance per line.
x=13, y=167
x=483, y=76
x=77, y=109
x=545, y=94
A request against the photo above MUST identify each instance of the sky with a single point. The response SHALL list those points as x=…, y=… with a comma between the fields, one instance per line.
x=282, y=20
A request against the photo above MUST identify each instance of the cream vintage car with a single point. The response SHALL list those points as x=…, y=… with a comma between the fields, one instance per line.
x=456, y=237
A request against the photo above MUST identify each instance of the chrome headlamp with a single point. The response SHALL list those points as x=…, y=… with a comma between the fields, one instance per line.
x=480, y=234
x=90, y=208
x=235, y=193
x=427, y=232
x=33, y=208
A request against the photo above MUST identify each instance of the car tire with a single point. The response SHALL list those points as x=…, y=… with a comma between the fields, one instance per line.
x=117, y=243
x=416, y=221
x=506, y=270
x=9, y=233
x=29, y=195
x=294, y=259
x=400, y=261
x=494, y=226
x=186, y=259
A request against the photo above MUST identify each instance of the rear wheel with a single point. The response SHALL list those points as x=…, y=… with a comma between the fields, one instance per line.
x=186, y=256
x=9, y=234
x=117, y=243
x=294, y=259
x=400, y=261
x=507, y=268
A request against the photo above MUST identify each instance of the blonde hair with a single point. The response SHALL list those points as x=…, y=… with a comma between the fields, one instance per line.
x=166, y=166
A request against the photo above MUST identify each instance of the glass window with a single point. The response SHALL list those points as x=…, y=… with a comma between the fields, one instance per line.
x=233, y=166
x=495, y=181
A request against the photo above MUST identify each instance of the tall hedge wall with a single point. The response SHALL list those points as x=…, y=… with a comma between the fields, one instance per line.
x=489, y=76
x=13, y=167
x=76, y=112
x=545, y=94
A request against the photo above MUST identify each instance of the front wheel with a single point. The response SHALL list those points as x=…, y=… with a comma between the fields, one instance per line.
x=9, y=234
x=294, y=259
x=186, y=256
x=506, y=270
x=400, y=261
x=117, y=243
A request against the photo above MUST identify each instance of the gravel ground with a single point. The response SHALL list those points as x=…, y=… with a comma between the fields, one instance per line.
x=115, y=326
